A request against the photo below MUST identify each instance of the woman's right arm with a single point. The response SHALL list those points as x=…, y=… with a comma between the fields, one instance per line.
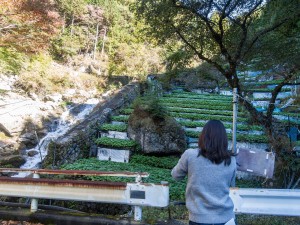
x=181, y=169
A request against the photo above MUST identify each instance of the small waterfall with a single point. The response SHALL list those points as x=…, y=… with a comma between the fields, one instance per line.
x=58, y=129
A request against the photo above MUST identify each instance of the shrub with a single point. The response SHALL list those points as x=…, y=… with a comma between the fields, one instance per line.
x=151, y=105
x=42, y=76
x=166, y=162
x=11, y=61
x=116, y=143
x=177, y=189
x=114, y=127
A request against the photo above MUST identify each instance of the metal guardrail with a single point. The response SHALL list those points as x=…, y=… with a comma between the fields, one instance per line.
x=76, y=172
x=285, y=202
x=280, y=202
x=137, y=194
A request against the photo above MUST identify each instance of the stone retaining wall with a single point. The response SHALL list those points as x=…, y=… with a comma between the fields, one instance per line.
x=78, y=142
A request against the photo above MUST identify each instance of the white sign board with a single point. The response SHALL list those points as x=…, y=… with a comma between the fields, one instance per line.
x=257, y=162
x=114, y=155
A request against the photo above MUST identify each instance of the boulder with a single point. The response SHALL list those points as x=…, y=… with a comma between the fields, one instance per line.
x=28, y=139
x=32, y=153
x=12, y=161
x=162, y=136
x=53, y=98
x=8, y=148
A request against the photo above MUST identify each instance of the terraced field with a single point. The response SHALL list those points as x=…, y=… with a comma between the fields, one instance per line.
x=192, y=111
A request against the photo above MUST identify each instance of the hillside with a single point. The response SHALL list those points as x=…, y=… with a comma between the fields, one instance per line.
x=127, y=85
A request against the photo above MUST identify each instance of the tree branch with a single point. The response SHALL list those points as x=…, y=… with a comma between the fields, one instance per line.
x=291, y=181
x=199, y=54
x=245, y=31
x=209, y=8
x=296, y=184
x=276, y=91
x=8, y=27
x=252, y=10
x=218, y=37
x=265, y=31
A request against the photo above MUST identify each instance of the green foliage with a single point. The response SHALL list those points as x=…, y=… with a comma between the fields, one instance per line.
x=167, y=162
x=150, y=104
x=177, y=189
x=66, y=46
x=280, y=47
x=200, y=111
x=116, y=143
x=191, y=95
x=251, y=138
x=128, y=49
x=66, y=103
x=71, y=7
x=196, y=116
x=198, y=106
x=126, y=111
x=11, y=61
x=195, y=101
x=2, y=91
x=58, y=154
x=269, y=82
x=266, y=89
x=296, y=115
x=178, y=58
x=121, y=118
x=289, y=170
x=41, y=77
x=239, y=126
x=266, y=220
x=230, y=33
x=249, y=183
x=114, y=127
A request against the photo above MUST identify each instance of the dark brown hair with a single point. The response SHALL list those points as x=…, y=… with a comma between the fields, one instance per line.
x=213, y=143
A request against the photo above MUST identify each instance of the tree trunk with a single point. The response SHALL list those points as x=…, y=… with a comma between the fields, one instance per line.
x=64, y=24
x=96, y=41
x=103, y=43
x=72, y=26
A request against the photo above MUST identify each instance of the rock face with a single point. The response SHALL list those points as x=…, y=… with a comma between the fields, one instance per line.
x=162, y=136
x=12, y=161
x=23, y=121
x=78, y=141
x=25, y=118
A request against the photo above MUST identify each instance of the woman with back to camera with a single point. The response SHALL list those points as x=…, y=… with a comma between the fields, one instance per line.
x=211, y=171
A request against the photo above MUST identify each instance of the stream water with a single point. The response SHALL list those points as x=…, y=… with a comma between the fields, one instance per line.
x=59, y=128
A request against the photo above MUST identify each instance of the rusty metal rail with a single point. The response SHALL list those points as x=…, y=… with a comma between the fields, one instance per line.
x=137, y=194
x=75, y=172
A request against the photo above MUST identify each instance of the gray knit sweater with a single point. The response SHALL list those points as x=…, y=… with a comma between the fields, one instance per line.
x=207, y=191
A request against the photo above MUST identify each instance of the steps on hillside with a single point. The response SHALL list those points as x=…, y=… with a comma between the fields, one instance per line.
x=188, y=105
x=228, y=131
x=115, y=134
x=247, y=145
x=115, y=155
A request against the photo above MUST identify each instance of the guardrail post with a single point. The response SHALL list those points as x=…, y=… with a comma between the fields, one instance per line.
x=137, y=213
x=34, y=201
x=138, y=179
x=138, y=209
